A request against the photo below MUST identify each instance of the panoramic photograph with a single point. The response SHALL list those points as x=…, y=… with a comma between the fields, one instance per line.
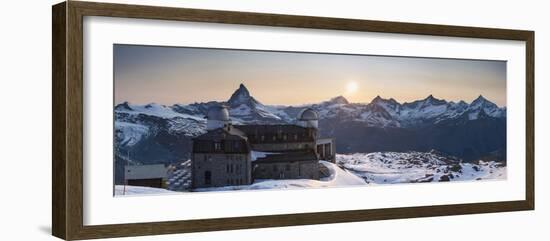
x=205, y=120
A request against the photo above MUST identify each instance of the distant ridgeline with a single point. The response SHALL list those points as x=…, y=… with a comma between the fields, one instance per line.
x=153, y=133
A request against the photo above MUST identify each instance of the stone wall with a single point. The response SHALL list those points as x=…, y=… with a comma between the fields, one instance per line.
x=287, y=170
x=223, y=169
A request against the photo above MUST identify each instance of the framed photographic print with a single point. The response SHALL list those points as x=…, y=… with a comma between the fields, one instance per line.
x=171, y=120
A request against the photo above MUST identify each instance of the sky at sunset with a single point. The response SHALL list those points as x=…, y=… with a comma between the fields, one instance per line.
x=169, y=75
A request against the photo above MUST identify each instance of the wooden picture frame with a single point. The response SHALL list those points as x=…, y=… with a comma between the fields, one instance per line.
x=67, y=150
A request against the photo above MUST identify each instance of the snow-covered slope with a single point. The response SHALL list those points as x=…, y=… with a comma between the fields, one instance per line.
x=122, y=190
x=367, y=169
x=388, y=168
x=129, y=134
x=153, y=109
x=411, y=167
x=337, y=177
x=134, y=122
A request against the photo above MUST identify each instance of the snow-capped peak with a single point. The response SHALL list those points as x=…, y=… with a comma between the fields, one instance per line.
x=488, y=107
x=241, y=92
x=389, y=105
x=480, y=98
x=154, y=106
x=339, y=100
x=153, y=109
x=383, y=112
x=124, y=106
x=481, y=101
x=246, y=108
x=434, y=101
x=379, y=99
x=242, y=96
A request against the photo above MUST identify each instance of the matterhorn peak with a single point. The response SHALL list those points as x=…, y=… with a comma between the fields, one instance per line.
x=241, y=96
x=243, y=90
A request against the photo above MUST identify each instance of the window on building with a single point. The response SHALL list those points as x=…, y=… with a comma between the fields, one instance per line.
x=284, y=137
x=274, y=138
x=227, y=168
x=231, y=167
x=262, y=138
x=275, y=168
x=217, y=146
x=207, y=178
x=287, y=167
x=295, y=137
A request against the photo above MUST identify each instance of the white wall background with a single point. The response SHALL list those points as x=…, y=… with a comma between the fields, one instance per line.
x=25, y=120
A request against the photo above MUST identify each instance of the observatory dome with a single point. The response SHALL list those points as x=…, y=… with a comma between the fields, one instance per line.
x=218, y=112
x=308, y=114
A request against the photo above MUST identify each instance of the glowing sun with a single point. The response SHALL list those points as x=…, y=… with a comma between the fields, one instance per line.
x=352, y=87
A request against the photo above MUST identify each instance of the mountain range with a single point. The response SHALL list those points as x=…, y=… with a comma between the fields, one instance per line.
x=155, y=133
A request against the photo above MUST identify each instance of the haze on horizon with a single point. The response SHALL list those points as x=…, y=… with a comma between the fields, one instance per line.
x=170, y=75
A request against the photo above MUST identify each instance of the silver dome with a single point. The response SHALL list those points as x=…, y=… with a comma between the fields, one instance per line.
x=218, y=112
x=308, y=114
